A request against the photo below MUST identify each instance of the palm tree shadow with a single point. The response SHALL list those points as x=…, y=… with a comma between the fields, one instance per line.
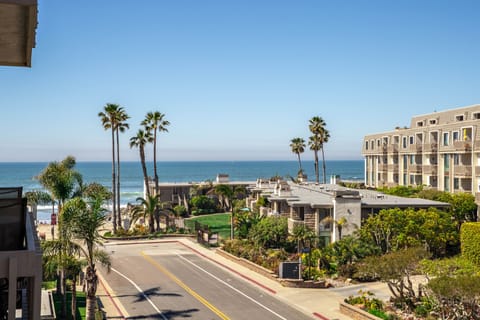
x=152, y=292
x=169, y=314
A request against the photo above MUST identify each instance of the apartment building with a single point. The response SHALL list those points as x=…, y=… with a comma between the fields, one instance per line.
x=440, y=150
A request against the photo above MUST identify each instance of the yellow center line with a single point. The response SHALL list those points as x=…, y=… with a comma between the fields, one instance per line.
x=185, y=287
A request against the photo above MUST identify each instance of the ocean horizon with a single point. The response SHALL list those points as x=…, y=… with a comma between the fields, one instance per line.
x=15, y=174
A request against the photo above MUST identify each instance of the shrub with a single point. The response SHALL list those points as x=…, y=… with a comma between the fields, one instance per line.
x=470, y=241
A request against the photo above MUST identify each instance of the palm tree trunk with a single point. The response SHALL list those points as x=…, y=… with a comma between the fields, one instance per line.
x=74, y=298
x=144, y=169
x=91, y=280
x=114, y=200
x=119, y=214
x=316, y=167
x=324, y=168
x=299, y=162
x=155, y=161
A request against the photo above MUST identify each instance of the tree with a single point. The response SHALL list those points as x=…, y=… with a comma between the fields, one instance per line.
x=85, y=219
x=270, y=232
x=61, y=180
x=109, y=121
x=320, y=136
x=302, y=235
x=396, y=269
x=121, y=125
x=139, y=141
x=298, y=147
x=155, y=122
x=36, y=197
x=146, y=208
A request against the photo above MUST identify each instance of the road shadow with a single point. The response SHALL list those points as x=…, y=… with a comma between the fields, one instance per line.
x=169, y=314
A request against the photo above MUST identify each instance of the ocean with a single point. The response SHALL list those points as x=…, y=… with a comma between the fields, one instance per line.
x=14, y=174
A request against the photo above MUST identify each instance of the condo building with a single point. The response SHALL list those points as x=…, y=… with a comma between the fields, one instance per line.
x=440, y=150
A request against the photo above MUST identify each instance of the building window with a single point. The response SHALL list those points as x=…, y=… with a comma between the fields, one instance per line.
x=433, y=121
x=404, y=142
x=412, y=159
x=459, y=118
x=455, y=135
x=371, y=144
x=420, y=124
x=456, y=184
x=446, y=183
x=446, y=162
x=405, y=161
x=404, y=179
x=445, y=138
x=456, y=159
x=366, y=145
x=301, y=213
x=476, y=116
x=411, y=140
x=378, y=143
x=412, y=179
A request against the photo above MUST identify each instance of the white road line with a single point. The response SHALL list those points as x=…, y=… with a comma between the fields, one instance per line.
x=141, y=292
x=231, y=287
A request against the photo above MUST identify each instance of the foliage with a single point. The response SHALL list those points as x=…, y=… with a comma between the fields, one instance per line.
x=470, y=240
x=393, y=229
x=95, y=190
x=180, y=211
x=396, y=269
x=262, y=202
x=456, y=297
x=402, y=191
x=366, y=300
x=464, y=207
x=80, y=296
x=203, y=203
x=216, y=222
x=349, y=250
x=450, y=267
x=244, y=221
x=271, y=232
x=302, y=235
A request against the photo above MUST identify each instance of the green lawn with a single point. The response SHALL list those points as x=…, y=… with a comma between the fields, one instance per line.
x=219, y=222
x=81, y=302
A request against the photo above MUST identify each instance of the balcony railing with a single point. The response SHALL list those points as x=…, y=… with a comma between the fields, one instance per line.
x=462, y=145
x=416, y=147
x=463, y=171
x=430, y=147
x=430, y=169
x=392, y=148
x=382, y=167
x=392, y=167
x=415, y=168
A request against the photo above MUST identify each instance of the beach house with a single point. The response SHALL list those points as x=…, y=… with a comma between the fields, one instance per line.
x=20, y=253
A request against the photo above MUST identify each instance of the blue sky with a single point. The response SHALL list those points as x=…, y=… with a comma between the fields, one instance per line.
x=236, y=79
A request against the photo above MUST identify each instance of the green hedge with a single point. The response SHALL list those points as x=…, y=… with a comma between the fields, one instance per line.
x=470, y=240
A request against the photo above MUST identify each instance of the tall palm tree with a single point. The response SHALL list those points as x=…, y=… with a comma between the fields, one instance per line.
x=139, y=141
x=298, y=147
x=155, y=122
x=121, y=126
x=227, y=193
x=321, y=136
x=314, y=144
x=85, y=220
x=109, y=121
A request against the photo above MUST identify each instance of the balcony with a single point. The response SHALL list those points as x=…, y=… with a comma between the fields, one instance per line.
x=416, y=147
x=430, y=169
x=415, y=168
x=382, y=167
x=392, y=167
x=462, y=145
x=393, y=148
x=430, y=147
x=462, y=171
x=293, y=223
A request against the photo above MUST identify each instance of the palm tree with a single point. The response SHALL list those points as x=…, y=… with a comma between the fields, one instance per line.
x=85, y=219
x=121, y=126
x=320, y=136
x=139, y=141
x=109, y=121
x=153, y=122
x=147, y=208
x=227, y=193
x=298, y=147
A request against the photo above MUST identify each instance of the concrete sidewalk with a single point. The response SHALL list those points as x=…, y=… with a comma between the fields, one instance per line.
x=317, y=303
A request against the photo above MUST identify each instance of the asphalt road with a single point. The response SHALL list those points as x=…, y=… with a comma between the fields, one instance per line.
x=169, y=281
